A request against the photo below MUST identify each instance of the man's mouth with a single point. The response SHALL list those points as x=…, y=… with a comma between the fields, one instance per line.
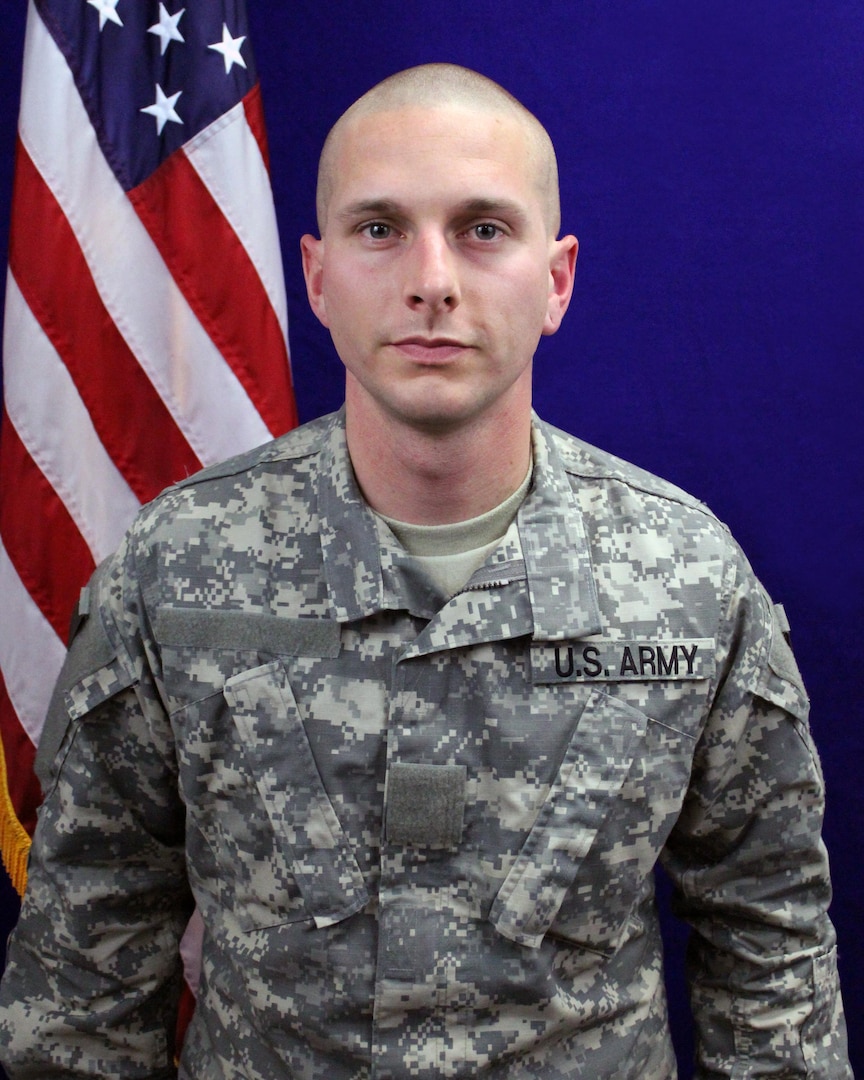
x=430, y=350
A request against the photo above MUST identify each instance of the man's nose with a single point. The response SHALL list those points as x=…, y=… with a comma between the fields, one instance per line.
x=431, y=279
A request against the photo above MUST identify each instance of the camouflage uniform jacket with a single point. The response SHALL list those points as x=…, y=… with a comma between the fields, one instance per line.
x=421, y=832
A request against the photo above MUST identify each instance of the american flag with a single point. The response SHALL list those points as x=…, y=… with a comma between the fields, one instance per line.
x=145, y=322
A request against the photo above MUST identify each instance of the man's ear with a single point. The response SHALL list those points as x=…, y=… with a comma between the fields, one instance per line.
x=312, y=251
x=562, y=268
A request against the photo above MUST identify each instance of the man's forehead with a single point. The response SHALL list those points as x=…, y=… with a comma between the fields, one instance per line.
x=455, y=126
x=420, y=143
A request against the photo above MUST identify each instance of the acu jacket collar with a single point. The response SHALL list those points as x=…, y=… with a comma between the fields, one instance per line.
x=555, y=562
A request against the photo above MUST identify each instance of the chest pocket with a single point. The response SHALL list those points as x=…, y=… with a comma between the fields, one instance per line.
x=280, y=852
x=584, y=864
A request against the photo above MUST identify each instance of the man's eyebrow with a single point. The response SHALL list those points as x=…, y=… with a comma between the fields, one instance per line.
x=491, y=207
x=370, y=208
x=478, y=206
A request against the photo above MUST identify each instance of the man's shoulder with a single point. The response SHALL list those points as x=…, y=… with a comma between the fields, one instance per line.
x=300, y=442
x=585, y=462
x=236, y=479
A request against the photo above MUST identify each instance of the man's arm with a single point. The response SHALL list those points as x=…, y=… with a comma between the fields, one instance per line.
x=751, y=870
x=93, y=976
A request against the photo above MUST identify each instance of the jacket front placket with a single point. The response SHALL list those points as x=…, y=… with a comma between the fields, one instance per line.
x=438, y=923
x=435, y=921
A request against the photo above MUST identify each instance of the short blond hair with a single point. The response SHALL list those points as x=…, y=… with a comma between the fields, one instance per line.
x=431, y=85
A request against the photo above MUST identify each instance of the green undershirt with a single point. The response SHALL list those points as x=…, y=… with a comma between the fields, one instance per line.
x=449, y=554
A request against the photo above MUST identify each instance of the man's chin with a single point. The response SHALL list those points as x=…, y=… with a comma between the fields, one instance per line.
x=436, y=417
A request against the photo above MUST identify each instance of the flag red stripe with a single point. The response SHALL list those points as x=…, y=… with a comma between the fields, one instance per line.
x=136, y=428
x=254, y=109
x=23, y=787
x=42, y=541
x=192, y=236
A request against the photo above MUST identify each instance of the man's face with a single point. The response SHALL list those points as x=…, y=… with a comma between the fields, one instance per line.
x=436, y=275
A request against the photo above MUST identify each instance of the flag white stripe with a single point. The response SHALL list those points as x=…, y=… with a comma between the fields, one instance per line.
x=55, y=427
x=228, y=159
x=187, y=370
x=25, y=633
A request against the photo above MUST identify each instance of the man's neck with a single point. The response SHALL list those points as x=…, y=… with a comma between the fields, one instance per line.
x=437, y=477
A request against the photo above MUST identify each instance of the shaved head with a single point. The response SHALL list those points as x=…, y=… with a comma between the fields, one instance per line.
x=439, y=86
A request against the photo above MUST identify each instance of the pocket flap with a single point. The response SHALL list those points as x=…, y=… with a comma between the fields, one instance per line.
x=278, y=751
x=594, y=767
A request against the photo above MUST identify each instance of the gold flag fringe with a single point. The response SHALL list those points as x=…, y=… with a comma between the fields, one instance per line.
x=14, y=838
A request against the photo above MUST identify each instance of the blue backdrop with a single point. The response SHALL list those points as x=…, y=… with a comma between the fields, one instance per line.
x=712, y=163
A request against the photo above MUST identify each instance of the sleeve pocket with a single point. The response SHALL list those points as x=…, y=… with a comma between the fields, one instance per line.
x=780, y=681
x=92, y=673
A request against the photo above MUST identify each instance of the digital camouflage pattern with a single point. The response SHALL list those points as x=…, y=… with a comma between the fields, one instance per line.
x=421, y=831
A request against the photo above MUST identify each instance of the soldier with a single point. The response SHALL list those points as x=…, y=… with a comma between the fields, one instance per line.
x=411, y=701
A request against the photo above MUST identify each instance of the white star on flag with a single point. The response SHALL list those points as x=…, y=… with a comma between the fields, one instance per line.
x=230, y=49
x=107, y=10
x=163, y=109
x=166, y=28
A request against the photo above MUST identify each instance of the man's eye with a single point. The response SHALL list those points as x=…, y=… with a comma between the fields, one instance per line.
x=486, y=231
x=377, y=230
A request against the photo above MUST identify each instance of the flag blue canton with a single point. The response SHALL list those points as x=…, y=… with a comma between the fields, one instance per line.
x=152, y=75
